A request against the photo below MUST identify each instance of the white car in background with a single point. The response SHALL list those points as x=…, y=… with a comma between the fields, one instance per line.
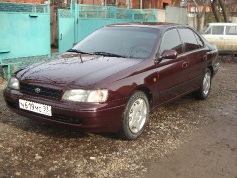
x=223, y=35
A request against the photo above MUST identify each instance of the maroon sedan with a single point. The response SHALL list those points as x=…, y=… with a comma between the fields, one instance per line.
x=112, y=79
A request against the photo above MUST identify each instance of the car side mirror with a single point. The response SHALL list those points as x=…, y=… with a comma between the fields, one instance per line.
x=168, y=54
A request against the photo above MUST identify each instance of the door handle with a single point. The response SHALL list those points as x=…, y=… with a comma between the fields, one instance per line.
x=61, y=36
x=185, y=64
x=205, y=57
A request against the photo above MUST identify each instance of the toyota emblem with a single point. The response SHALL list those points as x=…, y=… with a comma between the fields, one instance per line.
x=37, y=90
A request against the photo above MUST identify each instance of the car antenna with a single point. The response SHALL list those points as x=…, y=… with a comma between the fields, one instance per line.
x=81, y=58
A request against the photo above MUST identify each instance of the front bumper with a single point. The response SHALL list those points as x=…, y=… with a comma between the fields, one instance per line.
x=92, y=117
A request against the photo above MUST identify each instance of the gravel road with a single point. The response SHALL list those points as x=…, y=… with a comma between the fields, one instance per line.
x=33, y=149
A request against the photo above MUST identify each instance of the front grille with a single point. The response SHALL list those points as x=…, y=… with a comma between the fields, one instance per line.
x=56, y=117
x=40, y=91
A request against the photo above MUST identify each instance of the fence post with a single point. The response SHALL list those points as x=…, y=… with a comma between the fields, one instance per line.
x=115, y=12
x=49, y=12
x=76, y=22
x=133, y=16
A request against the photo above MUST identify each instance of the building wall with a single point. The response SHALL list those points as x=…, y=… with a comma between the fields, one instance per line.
x=24, y=1
x=120, y=3
x=233, y=19
x=95, y=2
x=192, y=8
x=147, y=4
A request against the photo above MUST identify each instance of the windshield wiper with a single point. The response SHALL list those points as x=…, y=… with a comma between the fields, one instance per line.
x=109, y=54
x=78, y=51
x=96, y=53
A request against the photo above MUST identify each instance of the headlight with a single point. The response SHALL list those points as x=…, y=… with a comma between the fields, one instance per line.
x=13, y=83
x=86, y=95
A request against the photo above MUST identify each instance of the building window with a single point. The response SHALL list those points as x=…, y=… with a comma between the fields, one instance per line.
x=165, y=4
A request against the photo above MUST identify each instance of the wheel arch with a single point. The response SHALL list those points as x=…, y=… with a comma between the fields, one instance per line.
x=148, y=93
x=212, y=70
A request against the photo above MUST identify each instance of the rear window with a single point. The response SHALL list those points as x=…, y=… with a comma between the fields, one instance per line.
x=231, y=30
x=206, y=30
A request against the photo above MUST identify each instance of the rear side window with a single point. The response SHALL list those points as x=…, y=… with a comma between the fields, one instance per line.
x=208, y=31
x=189, y=40
x=171, y=41
x=218, y=30
x=231, y=30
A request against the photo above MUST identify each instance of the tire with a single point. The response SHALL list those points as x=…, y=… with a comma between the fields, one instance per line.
x=205, y=88
x=135, y=116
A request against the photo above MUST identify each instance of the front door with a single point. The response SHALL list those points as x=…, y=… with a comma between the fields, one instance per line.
x=171, y=72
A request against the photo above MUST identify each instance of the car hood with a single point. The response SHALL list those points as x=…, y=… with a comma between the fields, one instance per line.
x=72, y=70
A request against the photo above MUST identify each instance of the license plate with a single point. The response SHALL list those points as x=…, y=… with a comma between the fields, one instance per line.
x=35, y=107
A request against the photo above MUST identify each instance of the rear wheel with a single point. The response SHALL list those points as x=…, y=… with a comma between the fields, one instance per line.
x=135, y=116
x=205, y=88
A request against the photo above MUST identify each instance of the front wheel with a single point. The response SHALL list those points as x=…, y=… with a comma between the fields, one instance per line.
x=135, y=116
x=205, y=88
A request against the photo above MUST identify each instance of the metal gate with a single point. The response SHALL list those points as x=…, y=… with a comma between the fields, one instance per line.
x=176, y=15
x=25, y=30
x=82, y=19
x=65, y=29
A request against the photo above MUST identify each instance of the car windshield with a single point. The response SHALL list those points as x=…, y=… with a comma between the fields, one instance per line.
x=127, y=42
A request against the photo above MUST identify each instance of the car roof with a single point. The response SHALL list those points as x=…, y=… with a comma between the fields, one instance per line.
x=222, y=24
x=158, y=25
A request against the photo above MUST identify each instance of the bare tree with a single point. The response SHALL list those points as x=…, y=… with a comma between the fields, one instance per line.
x=200, y=12
x=232, y=6
x=214, y=6
x=219, y=10
x=201, y=15
x=224, y=12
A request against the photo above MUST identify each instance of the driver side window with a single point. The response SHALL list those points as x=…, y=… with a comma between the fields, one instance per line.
x=171, y=41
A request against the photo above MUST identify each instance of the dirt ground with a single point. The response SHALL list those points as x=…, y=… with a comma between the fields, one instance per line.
x=187, y=138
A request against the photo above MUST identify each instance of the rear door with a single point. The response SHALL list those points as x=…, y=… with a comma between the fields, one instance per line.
x=215, y=34
x=197, y=58
x=230, y=38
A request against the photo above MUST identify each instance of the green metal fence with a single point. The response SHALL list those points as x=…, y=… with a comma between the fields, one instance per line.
x=9, y=66
x=25, y=33
x=66, y=24
x=144, y=15
x=25, y=30
x=27, y=8
x=88, y=18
